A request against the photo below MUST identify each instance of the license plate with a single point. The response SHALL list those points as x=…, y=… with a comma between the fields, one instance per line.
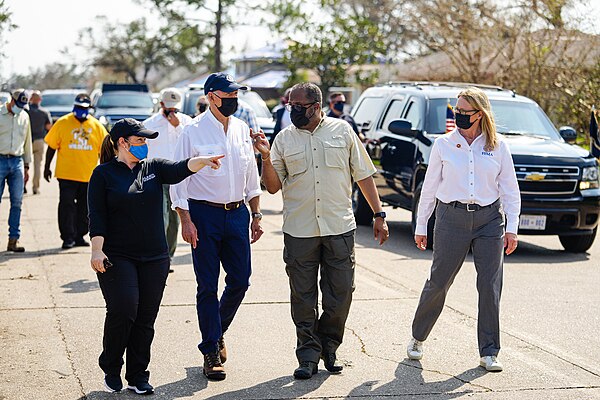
x=532, y=222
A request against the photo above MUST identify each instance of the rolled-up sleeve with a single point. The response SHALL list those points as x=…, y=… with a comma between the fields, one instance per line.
x=179, y=192
x=252, y=179
x=510, y=195
x=97, y=207
x=433, y=178
x=361, y=166
x=277, y=159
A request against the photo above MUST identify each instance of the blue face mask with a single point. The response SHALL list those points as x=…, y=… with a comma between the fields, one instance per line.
x=139, y=151
x=81, y=113
x=339, y=106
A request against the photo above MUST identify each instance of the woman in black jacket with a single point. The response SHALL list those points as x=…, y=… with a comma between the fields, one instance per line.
x=129, y=249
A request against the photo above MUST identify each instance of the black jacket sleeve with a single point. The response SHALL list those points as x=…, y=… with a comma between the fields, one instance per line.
x=97, y=206
x=350, y=120
x=171, y=172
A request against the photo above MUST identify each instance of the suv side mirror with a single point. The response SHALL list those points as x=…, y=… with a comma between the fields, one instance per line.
x=402, y=127
x=568, y=134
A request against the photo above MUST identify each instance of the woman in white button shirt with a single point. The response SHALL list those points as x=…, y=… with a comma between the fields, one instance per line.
x=472, y=178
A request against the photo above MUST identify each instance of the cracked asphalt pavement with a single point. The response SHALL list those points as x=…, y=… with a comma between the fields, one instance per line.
x=52, y=311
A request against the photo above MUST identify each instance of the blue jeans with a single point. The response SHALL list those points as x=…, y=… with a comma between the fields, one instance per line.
x=223, y=238
x=12, y=171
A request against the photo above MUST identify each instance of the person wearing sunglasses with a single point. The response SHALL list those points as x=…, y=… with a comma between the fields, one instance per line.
x=337, y=108
x=472, y=185
x=129, y=249
x=314, y=163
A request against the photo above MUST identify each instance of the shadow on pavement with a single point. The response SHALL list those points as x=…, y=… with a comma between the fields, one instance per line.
x=409, y=381
x=194, y=382
x=80, y=286
x=35, y=254
x=285, y=387
x=531, y=253
x=182, y=259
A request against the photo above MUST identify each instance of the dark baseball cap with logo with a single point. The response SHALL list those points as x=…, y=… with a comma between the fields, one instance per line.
x=223, y=82
x=130, y=127
x=20, y=97
x=82, y=100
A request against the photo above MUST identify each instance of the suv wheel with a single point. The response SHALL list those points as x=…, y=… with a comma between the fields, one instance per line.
x=362, y=211
x=415, y=211
x=578, y=243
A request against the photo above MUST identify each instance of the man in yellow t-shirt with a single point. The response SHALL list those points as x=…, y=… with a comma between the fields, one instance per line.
x=77, y=137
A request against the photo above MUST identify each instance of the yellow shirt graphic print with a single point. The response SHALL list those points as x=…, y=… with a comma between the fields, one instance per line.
x=77, y=147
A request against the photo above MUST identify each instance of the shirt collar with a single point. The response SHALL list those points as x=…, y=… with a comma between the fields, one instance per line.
x=214, y=119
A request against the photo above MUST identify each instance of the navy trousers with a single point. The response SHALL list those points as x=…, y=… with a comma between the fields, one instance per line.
x=223, y=239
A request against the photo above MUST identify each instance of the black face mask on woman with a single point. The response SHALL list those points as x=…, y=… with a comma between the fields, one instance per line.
x=228, y=106
x=463, y=121
x=298, y=117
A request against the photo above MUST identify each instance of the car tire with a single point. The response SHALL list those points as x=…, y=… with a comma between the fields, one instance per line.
x=430, y=223
x=578, y=243
x=362, y=211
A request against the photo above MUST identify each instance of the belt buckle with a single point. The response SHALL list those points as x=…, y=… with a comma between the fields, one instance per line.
x=226, y=207
x=469, y=209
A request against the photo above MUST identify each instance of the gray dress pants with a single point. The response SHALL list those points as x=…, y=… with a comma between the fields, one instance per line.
x=333, y=256
x=456, y=231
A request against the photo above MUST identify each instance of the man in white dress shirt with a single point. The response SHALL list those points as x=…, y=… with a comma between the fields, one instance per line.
x=169, y=123
x=214, y=216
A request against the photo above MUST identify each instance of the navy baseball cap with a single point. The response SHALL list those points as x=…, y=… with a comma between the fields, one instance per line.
x=20, y=97
x=223, y=82
x=82, y=100
x=130, y=127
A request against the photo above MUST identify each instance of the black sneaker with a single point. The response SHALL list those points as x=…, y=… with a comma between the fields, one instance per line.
x=68, y=244
x=306, y=370
x=142, y=388
x=113, y=383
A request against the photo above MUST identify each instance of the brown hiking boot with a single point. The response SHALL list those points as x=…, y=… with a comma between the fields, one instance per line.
x=222, y=350
x=13, y=245
x=213, y=368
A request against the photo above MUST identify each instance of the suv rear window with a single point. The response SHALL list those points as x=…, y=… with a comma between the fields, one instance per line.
x=129, y=99
x=367, y=110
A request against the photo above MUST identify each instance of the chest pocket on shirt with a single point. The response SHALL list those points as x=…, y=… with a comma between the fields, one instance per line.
x=295, y=160
x=210, y=150
x=336, y=154
x=245, y=156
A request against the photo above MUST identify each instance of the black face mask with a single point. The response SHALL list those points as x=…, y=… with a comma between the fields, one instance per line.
x=33, y=106
x=339, y=106
x=299, y=118
x=228, y=106
x=463, y=121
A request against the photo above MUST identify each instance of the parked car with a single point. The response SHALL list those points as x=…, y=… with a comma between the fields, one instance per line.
x=558, y=180
x=115, y=101
x=250, y=98
x=59, y=102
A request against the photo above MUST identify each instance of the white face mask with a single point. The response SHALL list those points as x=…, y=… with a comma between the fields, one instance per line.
x=16, y=110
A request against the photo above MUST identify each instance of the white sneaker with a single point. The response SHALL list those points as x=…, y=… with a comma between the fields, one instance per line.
x=415, y=349
x=491, y=363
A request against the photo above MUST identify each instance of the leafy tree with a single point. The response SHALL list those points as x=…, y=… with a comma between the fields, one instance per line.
x=211, y=22
x=5, y=23
x=134, y=50
x=328, y=42
x=52, y=76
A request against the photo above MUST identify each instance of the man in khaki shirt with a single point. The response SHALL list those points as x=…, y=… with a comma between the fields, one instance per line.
x=15, y=156
x=314, y=162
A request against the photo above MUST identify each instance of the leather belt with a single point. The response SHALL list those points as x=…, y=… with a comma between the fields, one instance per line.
x=227, y=207
x=469, y=206
x=8, y=156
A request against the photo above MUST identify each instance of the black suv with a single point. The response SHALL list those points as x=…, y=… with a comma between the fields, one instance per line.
x=559, y=181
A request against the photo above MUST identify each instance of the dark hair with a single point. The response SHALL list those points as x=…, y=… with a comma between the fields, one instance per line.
x=334, y=95
x=108, y=151
x=311, y=91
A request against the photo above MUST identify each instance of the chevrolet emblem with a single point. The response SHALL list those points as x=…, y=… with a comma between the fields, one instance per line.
x=535, y=177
